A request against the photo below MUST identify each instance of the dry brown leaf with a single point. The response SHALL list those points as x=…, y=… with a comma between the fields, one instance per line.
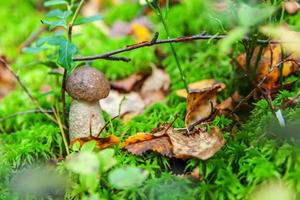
x=143, y=142
x=200, y=144
x=201, y=85
x=155, y=86
x=201, y=104
x=271, y=56
x=7, y=81
x=127, y=84
x=101, y=143
x=132, y=103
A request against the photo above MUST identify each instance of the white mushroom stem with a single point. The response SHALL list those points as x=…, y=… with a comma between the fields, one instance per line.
x=85, y=119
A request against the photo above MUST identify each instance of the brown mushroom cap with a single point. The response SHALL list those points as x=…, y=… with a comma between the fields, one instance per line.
x=88, y=84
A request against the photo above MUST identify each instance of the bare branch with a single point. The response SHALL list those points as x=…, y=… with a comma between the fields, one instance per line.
x=34, y=101
x=28, y=112
x=154, y=41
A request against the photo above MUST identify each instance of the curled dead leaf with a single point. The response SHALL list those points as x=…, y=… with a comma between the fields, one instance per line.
x=201, y=104
x=200, y=86
x=176, y=143
x=200, y=144
x=101, y=143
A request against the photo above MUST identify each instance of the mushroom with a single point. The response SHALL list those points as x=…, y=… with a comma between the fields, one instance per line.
x=86, y=86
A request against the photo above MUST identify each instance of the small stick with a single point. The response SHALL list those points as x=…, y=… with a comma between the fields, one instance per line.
x=154, y=41
x=24, y=113
x=34, y=101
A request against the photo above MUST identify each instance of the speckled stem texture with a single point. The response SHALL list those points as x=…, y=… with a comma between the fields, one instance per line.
x=85, y=119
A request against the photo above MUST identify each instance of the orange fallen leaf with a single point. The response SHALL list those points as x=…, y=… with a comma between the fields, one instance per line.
x=199, y=144
x=101, y=143
x=140, y=32
x=141, y=143
x=271, y=56
x=139, y=137
x=176, y=143
x=201, y=85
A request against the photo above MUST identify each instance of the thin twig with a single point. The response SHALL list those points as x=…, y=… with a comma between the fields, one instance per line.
x=117, y=58
x=154, y=42
x=107, y=123
x=34, y=101
x=171, y=124
x=36, y=111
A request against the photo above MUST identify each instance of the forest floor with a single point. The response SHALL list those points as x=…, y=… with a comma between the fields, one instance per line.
x=256, y=149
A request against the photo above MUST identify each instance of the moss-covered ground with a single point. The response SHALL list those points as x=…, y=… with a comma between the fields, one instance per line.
x=249, y=157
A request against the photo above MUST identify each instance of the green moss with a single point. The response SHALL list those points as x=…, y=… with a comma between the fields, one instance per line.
x=249, y=156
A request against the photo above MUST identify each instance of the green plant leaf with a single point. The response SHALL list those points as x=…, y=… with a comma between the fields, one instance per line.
x=59, y=14
x=88, y=146
x=127, y=177
x=55, y=3
x=106, y=159
x=76, y=146
x=65, y=54
x=83, y=163
x=85, y=20
x=54, y=24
